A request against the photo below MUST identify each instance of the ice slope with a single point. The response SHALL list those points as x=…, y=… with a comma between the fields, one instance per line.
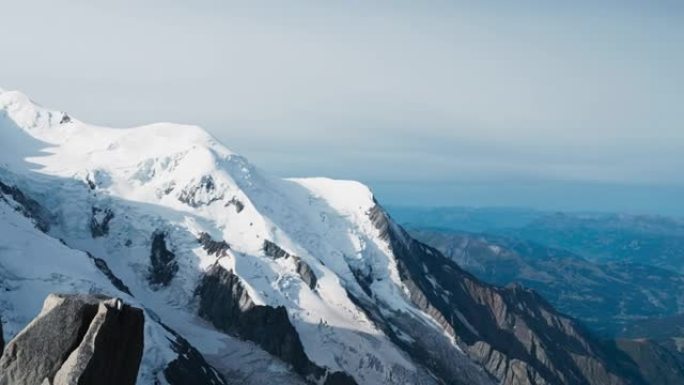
x=32, y=265
x=180, y=181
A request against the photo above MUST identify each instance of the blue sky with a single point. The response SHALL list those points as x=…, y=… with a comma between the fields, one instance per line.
x=548, y=104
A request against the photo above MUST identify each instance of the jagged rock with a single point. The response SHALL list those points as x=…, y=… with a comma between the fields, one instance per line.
x=202, y=193
x=512, y=332
x=163, y=266
x=431, y=348
x=76, y=339
x=364, y=278
x=27, y=206
x=239, y=206
x=101, y=264
x=90, y=182
x=99, y=221
x=339, y=378
x=212, y=247
x=65, y=119
x=97, y=179
x=189, y=367
x=274, y=251
x=304, y=271
x=226, y=304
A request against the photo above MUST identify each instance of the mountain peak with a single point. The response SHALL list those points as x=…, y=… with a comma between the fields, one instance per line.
x=27, y=114
x=312, y=271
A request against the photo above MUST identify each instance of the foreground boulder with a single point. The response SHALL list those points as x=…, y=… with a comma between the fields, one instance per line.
x=76, y=339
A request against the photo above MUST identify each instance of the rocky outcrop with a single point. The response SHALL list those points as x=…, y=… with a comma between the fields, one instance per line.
x=212, y=247
x=225, y=303
x=339, y=378
x=27, y=206
x=65, y=119
x=202, y=193
x=101, y=264
x=305, y=272
x=239, y=206
x=76, y=339
x=163, y=264
x=189, y=367
x=512, y=332
x=99, y=222
x=274, y=251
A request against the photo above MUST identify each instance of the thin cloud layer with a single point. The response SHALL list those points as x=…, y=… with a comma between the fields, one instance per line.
x=389, y=92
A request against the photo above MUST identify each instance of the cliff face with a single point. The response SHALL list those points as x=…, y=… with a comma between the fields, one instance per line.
x=77, y=339
x=516, y=335
x=226, y=304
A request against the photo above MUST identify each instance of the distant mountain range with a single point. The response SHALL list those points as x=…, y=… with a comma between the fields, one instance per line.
x=608, y=297
x=601, y=237
x=628, y=288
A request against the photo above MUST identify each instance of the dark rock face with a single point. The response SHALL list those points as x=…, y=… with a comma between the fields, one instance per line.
x=104, y=268
x=364, y=279
x=239, y=206
x=190, y=367
x=339, y=378
x=77, y=339
x=201, y=193
x=304, y=271
x=427, y=346
x=2, y=338
x=163, y=265
x=274, y=251
x=27, y=206
x=90, y=182
x=65, y=119
x=226, y=304
x=212, y=247
x=99, y=222
x=512, y=332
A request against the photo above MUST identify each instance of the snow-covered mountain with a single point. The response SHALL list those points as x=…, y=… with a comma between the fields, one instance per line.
x=249, y=278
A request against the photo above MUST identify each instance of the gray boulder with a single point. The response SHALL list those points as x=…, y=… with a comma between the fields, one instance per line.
x=76, y=340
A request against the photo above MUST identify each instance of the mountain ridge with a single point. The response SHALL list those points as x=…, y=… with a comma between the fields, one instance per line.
x=214, y=250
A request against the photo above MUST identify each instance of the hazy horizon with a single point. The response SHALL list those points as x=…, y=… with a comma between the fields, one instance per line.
x=542, y=105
